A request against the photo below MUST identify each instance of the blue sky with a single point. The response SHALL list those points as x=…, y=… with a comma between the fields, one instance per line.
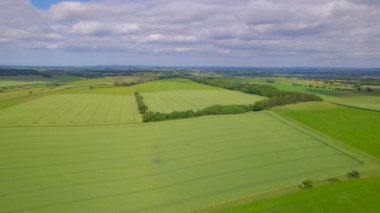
x=45, y=4
x=191, y=32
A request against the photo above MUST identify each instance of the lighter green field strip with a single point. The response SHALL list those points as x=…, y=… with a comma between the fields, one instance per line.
x=354, y=127
x=171, y=166
x=72, y=109
x=18, y=83
x=351, y=196
x=169, y=101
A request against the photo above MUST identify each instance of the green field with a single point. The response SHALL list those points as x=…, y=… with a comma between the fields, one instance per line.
x=72, y=109
x=357, y=128
x=347, y=97
x=169, y=101
x=166, y=166
x=5, y=83
x=352, y=196
x=153, y=86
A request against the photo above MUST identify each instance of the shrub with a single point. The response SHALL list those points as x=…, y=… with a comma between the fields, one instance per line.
x=307, y=184
x=353, y=174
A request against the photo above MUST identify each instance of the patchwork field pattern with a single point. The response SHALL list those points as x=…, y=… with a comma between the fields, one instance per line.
x=171, y=166
x=169, y=101
x=73, y=109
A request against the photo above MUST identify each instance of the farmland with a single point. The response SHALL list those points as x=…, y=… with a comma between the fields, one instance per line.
x=72, y=109
x=82, y=146
x=169, y=101
x=95, y=168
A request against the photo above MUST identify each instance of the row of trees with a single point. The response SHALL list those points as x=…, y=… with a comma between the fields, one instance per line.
x=140, y=103
x=120, y=83
x=275, y=96
x=212, y=110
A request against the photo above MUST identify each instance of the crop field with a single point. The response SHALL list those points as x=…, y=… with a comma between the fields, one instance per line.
x=170, y=166
x=357, y=128
x=169, y=101
x=351, y=196
x=72, y=109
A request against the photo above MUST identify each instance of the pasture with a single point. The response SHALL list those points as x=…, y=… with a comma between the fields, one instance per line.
x=72, y=109
x=357, y=128
x=351, y=196
x=169, y=101
x=170, y=166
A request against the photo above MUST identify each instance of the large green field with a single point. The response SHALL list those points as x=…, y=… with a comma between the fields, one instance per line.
x=71, y=109
x=170, y=166
x=352, y=196
x=169, y=101
x=357, y=128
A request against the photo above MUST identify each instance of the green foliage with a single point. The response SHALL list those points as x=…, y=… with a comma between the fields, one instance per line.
x=353, y=174
x=212, y=110
x=140, y=103
x=307, y=184
x=121, y=83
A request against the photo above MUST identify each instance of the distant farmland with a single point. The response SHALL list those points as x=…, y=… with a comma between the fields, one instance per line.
x=166, y=166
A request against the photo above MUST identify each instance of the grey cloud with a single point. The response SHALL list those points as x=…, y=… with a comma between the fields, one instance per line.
x=216, y=27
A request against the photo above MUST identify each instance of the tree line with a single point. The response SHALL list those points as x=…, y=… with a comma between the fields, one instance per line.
x=211, y=110
x=275, y=97
x=140, y=103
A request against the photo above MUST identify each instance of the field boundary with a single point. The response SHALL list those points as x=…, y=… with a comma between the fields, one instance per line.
x=334, y=143
x=271, y=195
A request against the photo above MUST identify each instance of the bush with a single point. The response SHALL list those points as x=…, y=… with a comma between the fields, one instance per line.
x=307, y=184
x=353, y=174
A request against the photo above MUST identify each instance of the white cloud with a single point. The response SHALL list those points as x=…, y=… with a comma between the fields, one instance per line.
x=236, y=28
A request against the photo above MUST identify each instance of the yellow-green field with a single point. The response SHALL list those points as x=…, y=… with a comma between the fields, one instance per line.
x=169, y=101
x=171, y=166
x=72, y=109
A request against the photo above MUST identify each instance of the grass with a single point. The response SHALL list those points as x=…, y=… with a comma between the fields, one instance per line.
x=72, y=109
x=171, y=166
x=350, y=196
x=169, y=101
x=357, y=128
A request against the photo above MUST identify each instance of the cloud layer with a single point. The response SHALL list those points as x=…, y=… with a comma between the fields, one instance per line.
x=315, y=30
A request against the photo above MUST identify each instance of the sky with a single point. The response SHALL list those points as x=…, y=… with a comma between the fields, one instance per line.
x=272, y=33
